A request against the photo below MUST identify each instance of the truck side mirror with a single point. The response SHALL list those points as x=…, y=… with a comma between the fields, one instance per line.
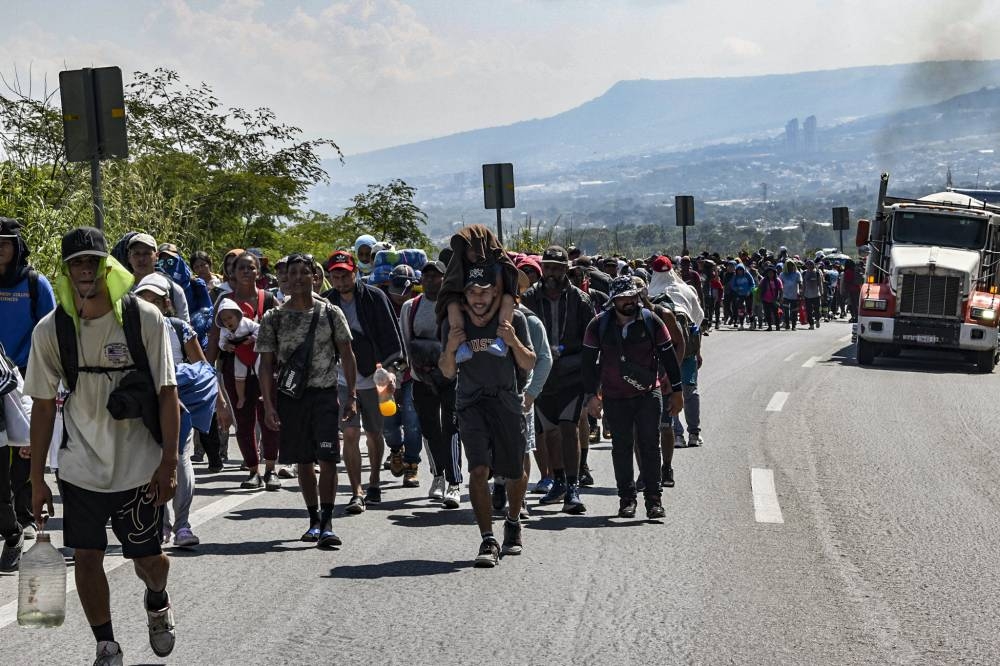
x=861, y=236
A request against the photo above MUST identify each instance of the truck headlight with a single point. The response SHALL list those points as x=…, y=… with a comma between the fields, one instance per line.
x=874, y=304
x=983, y=314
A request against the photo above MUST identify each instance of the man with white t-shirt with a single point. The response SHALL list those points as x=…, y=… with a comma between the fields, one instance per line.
x=109, y=468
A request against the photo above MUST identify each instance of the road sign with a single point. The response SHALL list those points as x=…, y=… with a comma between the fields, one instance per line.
x=93, y=106
x=684, y=206
x=841, y=218
x=498, y=190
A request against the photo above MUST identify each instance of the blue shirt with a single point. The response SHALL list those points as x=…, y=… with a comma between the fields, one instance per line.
x=790, y=284
x=16, y=321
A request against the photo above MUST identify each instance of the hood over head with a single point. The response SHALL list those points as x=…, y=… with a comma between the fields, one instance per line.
x=11, y=228
x=226, y=304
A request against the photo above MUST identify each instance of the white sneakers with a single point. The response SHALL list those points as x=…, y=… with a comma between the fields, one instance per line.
x=185, y=538
x=109, y=653
x=453, y=496
x=437, y=489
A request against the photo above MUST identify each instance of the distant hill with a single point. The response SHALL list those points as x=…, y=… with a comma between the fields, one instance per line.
x=638, y=117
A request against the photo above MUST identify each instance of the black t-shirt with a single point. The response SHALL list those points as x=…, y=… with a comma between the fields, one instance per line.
x=485, y=376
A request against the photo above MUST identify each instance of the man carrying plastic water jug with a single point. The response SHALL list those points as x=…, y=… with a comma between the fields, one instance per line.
x=110, y=469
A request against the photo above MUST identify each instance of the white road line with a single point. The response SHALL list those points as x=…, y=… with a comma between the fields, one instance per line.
x=8, y=612
x=791, y=356
x=777, y=402
x=765, y=499
x=813, y=360
x=846, y=338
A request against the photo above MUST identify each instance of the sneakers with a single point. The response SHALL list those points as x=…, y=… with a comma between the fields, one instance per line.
x=388, y=460
x=286, y=472
x=253, y=482
x=215, y=469
x=311, y=535
x=327, y=539
x=410, y=479
x=586, y=478
x=161, y=629
x=452, y=496
x=556, y=493
x=499, y=497
x=497, y=348
x=679, y=442
x=396, y=465
x=437, y=489
x=271, y=481
x=543, y=486
x=10, y=558
x=511, y=538
x=695, y=440
x=489, y=554
x=654, y=509
x=667, y=477
x=29, y=531
x=356, y=505
x=373, y=495
x=463, y=353
x=572, y=502
x=109, y=653
x=185, y=538
x=626, y=507
x=595, y=435
x=525, y=513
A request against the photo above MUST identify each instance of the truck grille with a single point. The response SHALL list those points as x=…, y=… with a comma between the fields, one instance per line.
x=930, y=295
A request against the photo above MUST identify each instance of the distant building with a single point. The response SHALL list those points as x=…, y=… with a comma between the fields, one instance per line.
x=792, y=136
x=810, y=142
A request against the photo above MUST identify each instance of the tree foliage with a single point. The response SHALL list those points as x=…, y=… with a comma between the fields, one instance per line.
x=389, y=213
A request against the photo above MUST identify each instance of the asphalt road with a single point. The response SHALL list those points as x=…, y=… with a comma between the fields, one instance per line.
x=881, y=547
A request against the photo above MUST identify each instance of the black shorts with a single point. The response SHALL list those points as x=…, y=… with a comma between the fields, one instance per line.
x=493, y=437
x=551, y=409
x=135, y=520
x=309, y=427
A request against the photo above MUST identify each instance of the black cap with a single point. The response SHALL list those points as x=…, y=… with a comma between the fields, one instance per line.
x=10, y=227
x=480, y=275
x=555, y=254
x=84, y=241
x=434, y=266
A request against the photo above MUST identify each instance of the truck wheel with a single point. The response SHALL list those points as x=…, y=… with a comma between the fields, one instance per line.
x=986, y=361
x=865, y=352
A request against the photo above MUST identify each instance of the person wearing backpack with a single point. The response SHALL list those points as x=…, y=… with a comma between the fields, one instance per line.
x=301, y=341
x=627, y=355
x=102, y=342
x=25, y=297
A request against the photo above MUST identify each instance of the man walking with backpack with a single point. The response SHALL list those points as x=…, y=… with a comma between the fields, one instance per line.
x=103, y=342
x=627, y=355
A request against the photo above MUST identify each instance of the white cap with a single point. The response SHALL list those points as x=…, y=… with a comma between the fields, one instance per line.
x=156, y=283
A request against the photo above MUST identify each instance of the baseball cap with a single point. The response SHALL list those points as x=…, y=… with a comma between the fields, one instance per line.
x=84, y=241
x=434, y=266
x=480, y=275
x=555, y=254
x=402, y=279
x=143, y=239
x=623, y=286
x=609, y=260
x=662, y=265
x=168, y=248
x=155, y=283
x=9, y=227
x=530, y=262
x=340, y=261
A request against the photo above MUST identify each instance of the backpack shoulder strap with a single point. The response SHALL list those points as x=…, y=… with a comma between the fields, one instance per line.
x=413, y=311
x=178, y=327
x=66, y=339
x=132, y=324
x=33, y=293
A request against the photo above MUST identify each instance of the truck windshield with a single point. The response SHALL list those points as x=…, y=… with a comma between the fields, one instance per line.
x=944, y=230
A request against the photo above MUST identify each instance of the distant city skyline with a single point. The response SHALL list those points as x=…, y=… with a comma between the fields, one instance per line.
x=377, y=73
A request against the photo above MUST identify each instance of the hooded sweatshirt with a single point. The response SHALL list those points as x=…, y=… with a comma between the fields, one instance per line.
x=742, y=283
x=358, y=244
x=15, y=300
x=247, y=328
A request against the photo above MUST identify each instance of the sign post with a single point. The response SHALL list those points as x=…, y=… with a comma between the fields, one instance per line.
x=841, y=223
x=684, y=207
x=93, y=106
x=498, y=190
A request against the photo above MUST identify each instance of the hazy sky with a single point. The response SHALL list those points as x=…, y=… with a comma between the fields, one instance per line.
x=375, y=73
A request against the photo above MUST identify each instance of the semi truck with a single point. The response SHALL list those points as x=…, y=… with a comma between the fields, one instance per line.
x=931, y=280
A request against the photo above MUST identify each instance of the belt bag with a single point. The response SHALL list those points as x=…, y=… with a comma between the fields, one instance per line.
x=636, y=376
x=294, y=373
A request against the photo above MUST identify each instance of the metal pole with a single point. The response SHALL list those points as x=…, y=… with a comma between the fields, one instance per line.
x=842, y=241
x=499, y=227
x=684, y=233
x=95, y=189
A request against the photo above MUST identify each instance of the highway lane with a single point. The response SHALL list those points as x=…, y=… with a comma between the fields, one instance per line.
x=885, y=479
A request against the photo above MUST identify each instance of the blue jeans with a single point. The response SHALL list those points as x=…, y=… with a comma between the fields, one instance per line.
x=692, y=401
x=403, y=428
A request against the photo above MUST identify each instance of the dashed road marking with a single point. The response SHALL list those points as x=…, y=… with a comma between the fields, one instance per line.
x=8, y=612
x=791, y=356
x=777, y=402
x=765, y=499
x=813, y=360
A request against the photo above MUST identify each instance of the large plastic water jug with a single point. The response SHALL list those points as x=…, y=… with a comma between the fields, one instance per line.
x=41, y=595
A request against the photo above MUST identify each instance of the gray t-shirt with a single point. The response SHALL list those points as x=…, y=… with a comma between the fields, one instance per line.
x=350, y=310
x=485, y=376
x=283, y=329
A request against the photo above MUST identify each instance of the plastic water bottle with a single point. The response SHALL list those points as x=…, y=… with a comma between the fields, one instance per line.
x=41, y=597
x=383, y=382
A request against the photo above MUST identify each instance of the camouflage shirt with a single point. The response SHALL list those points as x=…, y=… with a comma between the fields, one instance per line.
x=283, y=329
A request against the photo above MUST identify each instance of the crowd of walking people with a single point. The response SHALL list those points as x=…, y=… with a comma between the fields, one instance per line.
x=139, y=362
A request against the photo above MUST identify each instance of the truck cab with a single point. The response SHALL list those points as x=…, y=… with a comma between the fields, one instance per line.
x=931, y=279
